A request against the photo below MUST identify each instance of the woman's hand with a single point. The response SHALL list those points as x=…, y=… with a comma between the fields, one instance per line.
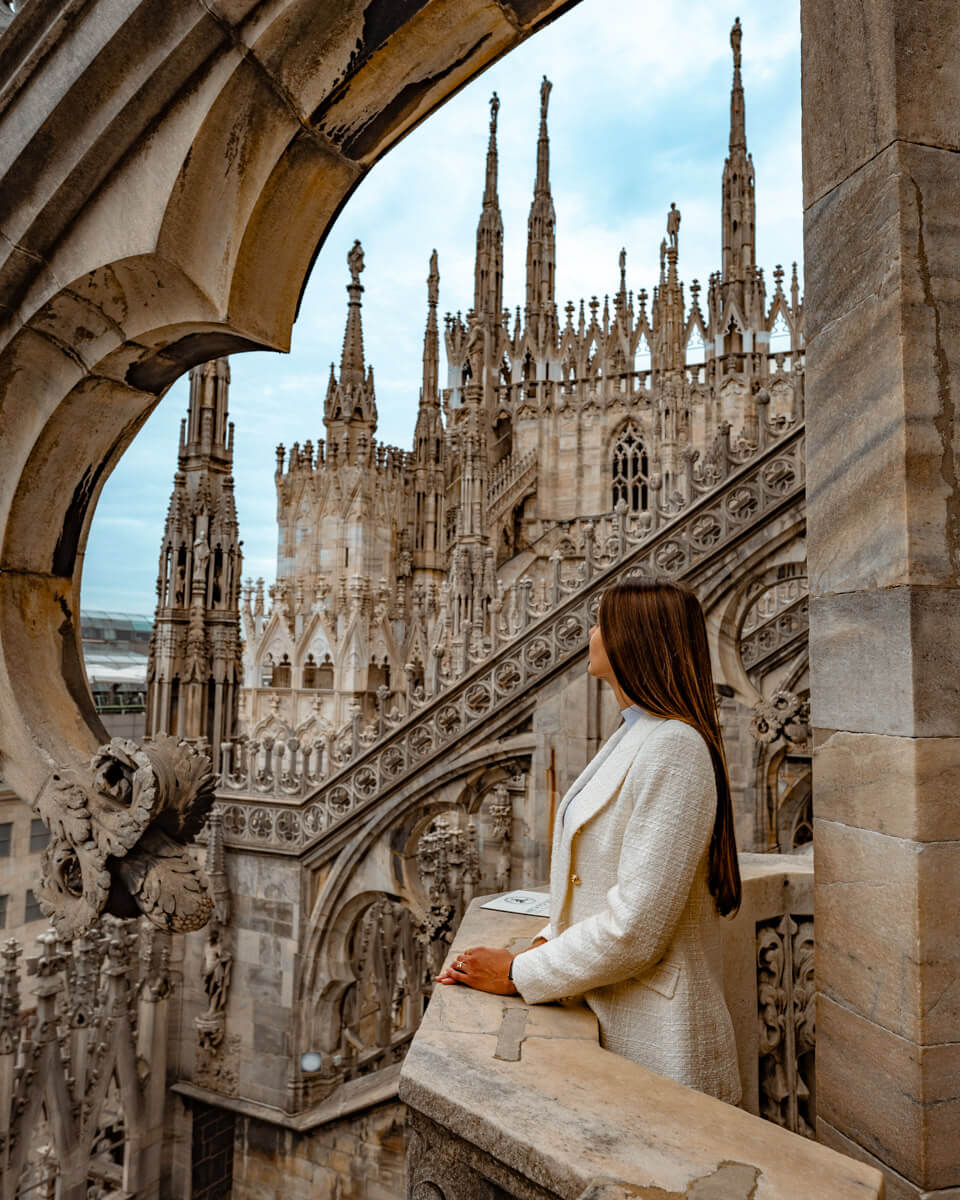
x=482, y=967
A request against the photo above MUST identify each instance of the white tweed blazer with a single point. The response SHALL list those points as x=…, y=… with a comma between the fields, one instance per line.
x=633, y=925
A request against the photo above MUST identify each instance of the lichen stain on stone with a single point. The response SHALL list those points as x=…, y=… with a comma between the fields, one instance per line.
x=945, y=418
x=730, y=1181
x=64, y=552
x=374, y=131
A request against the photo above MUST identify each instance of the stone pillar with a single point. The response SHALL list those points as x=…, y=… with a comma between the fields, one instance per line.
x=881, y=93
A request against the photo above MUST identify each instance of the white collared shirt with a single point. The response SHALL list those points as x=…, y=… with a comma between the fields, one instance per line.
x=630, y=716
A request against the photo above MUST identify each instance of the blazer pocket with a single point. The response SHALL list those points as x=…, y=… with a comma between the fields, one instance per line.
x=662, y=979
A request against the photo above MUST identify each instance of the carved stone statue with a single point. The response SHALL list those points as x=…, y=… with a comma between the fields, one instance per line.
x=217, y=969
x=546, y=87
x=201, y=555
x=673, y=224
x=355, y=261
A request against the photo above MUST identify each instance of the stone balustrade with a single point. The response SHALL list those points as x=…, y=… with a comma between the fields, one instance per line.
x=510, y=1100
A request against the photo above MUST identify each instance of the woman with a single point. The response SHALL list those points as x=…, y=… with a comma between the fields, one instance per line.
x=644, y=856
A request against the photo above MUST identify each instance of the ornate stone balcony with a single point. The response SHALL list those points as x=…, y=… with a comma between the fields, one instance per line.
x=511, y=1100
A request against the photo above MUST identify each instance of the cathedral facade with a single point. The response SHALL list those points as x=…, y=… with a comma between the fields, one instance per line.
x=550, y=424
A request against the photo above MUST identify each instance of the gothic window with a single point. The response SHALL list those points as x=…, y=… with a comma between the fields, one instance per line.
x=266, y=671
x=318, y=677
x=780, y=338
x=217, y=590
x=644, y=357
x=696, y=351
x=181, y=581
x=31, y=908
x=378, y=676
x=630, y=469
x=281, y=674
x=39, y=836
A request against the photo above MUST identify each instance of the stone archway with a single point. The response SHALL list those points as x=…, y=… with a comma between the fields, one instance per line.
x=155, y=156
x=168, y=171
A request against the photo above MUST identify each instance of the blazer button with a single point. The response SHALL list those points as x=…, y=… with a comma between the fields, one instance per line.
x=575, y=879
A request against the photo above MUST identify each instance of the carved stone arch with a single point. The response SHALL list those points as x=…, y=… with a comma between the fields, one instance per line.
x=795, y=811
x=724, y=604
x=345, y=860
x=272, y=726
x=775, y=815
x=627, y=462
x=331, y=964
x=105, y=312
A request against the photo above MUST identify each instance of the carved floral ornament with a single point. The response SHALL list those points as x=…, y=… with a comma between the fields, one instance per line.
x=118, y=836
x=783, y=715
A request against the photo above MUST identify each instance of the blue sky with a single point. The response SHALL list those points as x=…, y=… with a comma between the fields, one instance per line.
x=639, y=117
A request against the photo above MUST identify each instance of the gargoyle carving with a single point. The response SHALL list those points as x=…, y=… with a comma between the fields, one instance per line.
x=118, y=834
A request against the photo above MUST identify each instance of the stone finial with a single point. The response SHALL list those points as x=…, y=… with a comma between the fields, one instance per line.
x=355, y=261
x=433, y=281
x=673, y=224
x=546, y=87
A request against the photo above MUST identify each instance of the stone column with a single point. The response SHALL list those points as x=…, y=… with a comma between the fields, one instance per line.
x=881, y=93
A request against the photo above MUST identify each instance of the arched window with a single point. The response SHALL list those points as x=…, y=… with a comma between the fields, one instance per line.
x=378, y=675
x=630, y=469
x=281, y=674
x=318, y=677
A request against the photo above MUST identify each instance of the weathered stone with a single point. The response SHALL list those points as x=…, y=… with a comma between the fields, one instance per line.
x=906, y=787
x=887, y=915
x=912, y=688
x=898, y=1100
x=495, y=1109
x=879, y=72
x=881, y=492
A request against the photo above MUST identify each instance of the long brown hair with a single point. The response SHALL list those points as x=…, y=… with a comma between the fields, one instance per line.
x=656, y=641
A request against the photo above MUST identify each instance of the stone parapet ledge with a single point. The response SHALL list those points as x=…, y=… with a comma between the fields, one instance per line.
x=521, y=1100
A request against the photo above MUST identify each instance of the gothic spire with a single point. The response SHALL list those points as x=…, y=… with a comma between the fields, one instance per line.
x=350, y=402
x=488, y=271
x=739, y=203
x=738, y=129
x=206, y=436
x=541, y=225
x=431, y=338
x=192, y=684
x=351, y=360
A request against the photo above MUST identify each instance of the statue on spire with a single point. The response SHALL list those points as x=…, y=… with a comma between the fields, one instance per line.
x=736, y=33
x=355, y=262
x=433, y=281
x=546, y=87
x=673, y=224
x=494, y=109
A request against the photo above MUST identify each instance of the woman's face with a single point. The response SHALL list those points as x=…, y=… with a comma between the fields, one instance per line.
x=598, y=664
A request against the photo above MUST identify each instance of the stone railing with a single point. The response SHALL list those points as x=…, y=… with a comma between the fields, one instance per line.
x=507, y=472
x=528, y=640
x=83, y=1064
x=511, y=1100
x=786, y=626
x=511, y=480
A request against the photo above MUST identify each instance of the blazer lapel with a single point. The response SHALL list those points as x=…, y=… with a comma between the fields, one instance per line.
x=600, y=787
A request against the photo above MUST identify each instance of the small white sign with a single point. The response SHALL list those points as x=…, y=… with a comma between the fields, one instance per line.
x=534, y=904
